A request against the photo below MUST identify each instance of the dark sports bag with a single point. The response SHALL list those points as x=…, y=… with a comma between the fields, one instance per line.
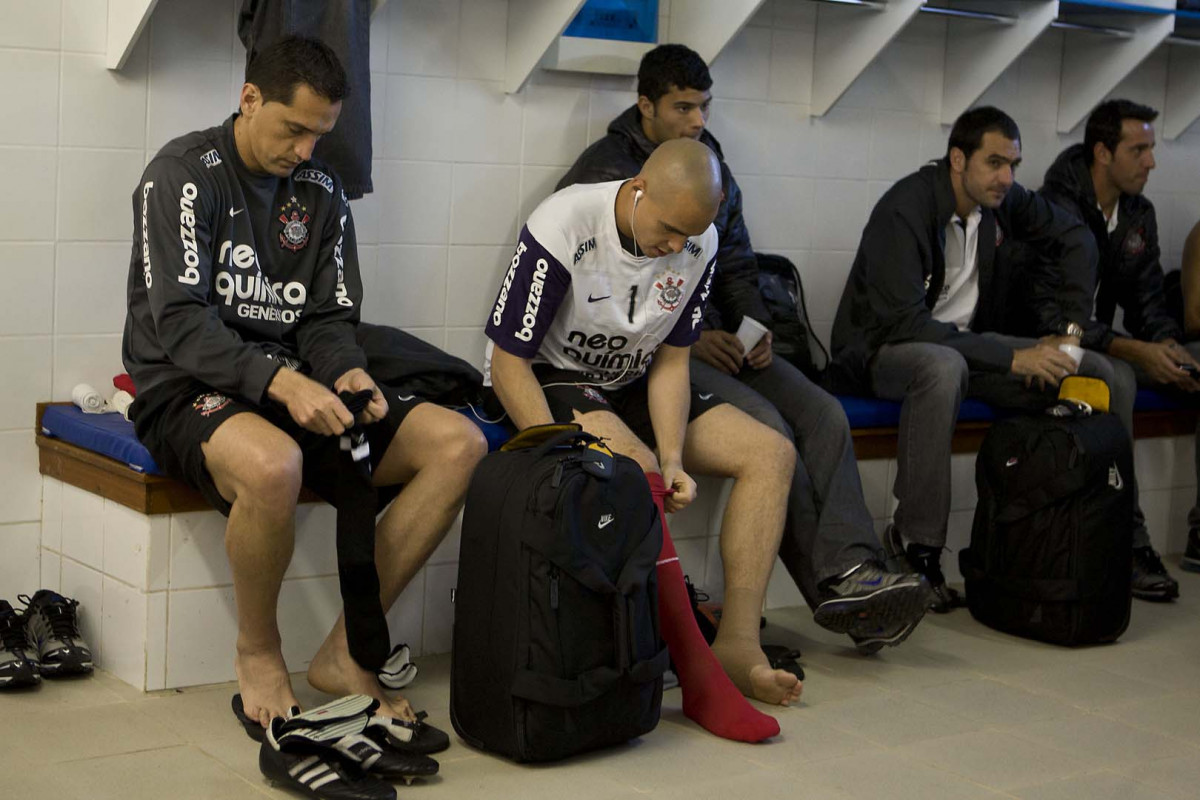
x=794, y=338
x=557, y=648
x=1050, y=555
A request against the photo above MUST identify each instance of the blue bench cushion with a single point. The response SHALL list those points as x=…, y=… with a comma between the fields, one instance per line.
x=871, y=412
x=1152, y=400
x=107, y=434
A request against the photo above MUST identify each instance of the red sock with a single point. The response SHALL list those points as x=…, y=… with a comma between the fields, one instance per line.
x=709, y=697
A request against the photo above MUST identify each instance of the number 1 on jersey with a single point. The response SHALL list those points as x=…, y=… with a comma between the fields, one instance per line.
x=632, y=301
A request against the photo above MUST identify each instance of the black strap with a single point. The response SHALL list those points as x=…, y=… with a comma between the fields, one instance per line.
x=574, y=692
x=357, y=500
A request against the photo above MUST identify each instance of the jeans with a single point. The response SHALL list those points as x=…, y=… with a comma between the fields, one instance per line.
x=1139, y=375
x=931, y=381
x=828, y=528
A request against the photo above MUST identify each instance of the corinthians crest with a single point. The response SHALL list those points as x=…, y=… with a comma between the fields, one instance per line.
x=670, y=290
x=295, y=219
x=1135, y=242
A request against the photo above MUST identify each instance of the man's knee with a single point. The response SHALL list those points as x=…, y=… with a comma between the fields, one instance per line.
x=942, y=372
x=458, y=441
x=767, y=451
x=266, y=471
x=619, y=438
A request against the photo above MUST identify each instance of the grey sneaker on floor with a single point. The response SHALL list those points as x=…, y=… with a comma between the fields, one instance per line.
x=1151, y=581
x=870, y=599
x=872, y=642
x=52, y=623
x=18, y=659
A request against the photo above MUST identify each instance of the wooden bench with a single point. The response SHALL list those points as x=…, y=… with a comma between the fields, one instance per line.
x=156, y=494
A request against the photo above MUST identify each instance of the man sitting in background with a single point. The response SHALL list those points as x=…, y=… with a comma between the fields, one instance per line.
x=918, y=317
x=829, y=544
x=243, y=296
x=1101, y=182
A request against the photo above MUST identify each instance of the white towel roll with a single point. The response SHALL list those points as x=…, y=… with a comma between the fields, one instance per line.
x=88, y=399
x=121, y=401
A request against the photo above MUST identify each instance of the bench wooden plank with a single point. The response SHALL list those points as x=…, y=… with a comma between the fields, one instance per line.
x=155, y=494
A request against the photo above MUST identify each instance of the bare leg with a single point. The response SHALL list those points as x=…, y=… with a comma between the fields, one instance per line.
x=257, y=467
x=434, y=453
x=710, y=698
x=726, y=442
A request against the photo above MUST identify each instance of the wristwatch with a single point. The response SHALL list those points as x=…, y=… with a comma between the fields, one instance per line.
x=1070, y=329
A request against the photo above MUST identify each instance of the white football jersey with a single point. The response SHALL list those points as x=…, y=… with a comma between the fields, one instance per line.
x=575, y=299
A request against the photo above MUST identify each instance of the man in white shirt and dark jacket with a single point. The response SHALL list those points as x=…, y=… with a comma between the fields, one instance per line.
x=1101, y=181
x=919, y=316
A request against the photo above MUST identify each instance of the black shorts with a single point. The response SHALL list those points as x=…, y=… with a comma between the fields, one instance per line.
x=175, y=418
x=567, y=392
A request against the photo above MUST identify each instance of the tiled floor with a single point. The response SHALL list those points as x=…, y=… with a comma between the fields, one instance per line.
x=958, y=711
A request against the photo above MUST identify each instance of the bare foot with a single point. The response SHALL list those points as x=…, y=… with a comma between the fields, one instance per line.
x=335, y=672
x=264, y=684
x=748, y=668
x=774, y=685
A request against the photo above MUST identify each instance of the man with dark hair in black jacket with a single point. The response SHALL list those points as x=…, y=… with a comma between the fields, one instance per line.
x=924, y=298
x=243, y=299
x=1101, y=182
x=829, y=544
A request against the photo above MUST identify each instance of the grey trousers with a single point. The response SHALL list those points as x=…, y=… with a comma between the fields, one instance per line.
x=930, y=381
x=828, y=528
x=1138, y=376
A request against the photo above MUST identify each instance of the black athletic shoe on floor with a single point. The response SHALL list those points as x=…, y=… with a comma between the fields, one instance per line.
x=1191, y=556
x=1151, y=581
x=18, y=659
x=53, y=627
x=325, y=776
x=926, y=561
x=870, y=598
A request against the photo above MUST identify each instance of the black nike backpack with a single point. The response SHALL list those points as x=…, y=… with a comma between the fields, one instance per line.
x=1051, y=546
x=557, y=648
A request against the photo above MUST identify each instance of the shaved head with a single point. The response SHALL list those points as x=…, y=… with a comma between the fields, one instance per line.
x=687, y=175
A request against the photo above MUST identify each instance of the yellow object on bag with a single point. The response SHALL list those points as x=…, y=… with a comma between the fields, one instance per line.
x=1092, y=391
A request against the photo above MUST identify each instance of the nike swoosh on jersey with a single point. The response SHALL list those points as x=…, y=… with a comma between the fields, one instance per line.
x=598, y=299
x=234, y=212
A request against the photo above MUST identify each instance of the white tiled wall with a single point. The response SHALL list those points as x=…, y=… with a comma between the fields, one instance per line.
x=460, y=165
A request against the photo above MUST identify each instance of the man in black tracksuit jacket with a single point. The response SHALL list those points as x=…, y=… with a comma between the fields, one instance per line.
x=829, y=544
x=1101, y=183
x=926, y=294
x=243, y=299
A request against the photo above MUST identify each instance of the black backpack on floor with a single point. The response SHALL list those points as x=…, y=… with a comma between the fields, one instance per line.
x=1051, y=547
x=556, y=632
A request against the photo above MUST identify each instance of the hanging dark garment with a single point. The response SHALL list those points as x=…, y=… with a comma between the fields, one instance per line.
x=345, y=26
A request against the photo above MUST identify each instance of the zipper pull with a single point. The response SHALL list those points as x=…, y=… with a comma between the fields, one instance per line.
x=554, y=588
x=558, y=472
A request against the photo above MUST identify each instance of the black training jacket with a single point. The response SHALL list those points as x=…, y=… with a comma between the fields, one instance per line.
x=1130, y=272
x=233, y=274
x=621, y=154
x=900, y=269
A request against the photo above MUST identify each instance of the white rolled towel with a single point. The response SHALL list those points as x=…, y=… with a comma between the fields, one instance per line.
x=89, y=400
x=121, y=401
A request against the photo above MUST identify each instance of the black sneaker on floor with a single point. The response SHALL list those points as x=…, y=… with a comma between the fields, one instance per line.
x=18, y=659
x=1191, y=556
x=926, y=561
x=1151, y=581
x=870, y=598
x=52, y=623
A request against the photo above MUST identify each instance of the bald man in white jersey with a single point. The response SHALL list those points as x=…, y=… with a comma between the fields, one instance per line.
x=593, y=324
